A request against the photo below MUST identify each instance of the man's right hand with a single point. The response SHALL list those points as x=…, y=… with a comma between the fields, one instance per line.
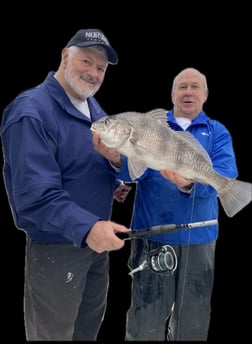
x=102, y=236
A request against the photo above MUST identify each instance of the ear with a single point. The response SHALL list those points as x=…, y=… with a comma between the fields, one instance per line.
x=64, y=56
x=206, y=96
x=172, y=98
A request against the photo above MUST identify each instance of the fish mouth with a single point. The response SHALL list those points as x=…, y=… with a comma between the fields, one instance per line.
x=93, y=129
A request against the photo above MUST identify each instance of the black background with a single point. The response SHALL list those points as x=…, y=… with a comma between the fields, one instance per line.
x=153, y=43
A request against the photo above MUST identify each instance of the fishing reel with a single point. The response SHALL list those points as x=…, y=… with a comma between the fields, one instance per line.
x=162, y=259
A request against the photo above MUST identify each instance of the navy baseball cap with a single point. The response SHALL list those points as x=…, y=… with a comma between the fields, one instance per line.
x=89, y=37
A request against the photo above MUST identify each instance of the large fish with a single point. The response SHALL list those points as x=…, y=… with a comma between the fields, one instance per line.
x=148, y=141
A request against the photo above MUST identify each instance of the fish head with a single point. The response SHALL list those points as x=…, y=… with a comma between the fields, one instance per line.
x=113, y=130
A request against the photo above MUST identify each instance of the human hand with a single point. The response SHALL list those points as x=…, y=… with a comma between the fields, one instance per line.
x=121, y=192
x=176, y=178
x=109, y=153
x=102, y=236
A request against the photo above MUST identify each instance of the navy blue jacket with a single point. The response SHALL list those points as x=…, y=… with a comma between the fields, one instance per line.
x=58, y=186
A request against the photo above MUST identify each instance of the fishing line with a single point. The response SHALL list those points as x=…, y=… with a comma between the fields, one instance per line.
x=186, y=261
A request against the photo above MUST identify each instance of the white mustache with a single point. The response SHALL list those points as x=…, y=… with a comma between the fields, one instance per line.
x=89, y=78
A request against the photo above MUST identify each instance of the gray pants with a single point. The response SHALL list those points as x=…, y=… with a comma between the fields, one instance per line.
x=167, y=306
x=65, y=292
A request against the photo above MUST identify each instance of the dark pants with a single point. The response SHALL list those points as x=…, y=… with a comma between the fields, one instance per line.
x=65, y=292
x=174, y=306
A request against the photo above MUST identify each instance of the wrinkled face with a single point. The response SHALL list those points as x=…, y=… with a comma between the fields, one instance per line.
x=189, y=93
x=113, y=131
x=84, y=72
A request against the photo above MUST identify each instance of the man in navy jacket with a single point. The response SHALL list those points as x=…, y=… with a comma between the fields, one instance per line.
x=60, y=191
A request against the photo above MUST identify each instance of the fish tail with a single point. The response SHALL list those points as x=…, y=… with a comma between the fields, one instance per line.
x=236, y=196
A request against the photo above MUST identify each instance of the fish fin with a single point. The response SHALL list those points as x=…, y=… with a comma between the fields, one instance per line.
x=237, y=194
x=136, y=168
x=159, y=115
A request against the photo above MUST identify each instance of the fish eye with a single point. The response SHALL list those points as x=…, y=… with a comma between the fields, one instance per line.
x=106, y=121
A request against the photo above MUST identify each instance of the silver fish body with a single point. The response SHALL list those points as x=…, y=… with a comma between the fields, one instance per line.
x=148, y=141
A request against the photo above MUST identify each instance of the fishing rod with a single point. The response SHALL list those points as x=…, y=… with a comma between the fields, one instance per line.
x=164, y=258
x=161, y=229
